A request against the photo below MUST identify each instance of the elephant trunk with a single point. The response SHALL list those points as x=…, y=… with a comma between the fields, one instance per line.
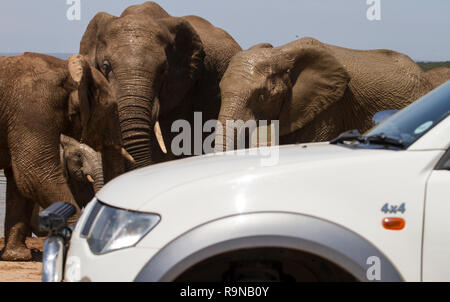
x=231, y=119
x=98, y=179
x=225, y=141
x=93, y=168
x=137, y=119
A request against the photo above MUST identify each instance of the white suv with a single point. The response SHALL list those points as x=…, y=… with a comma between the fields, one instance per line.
x=363, y=207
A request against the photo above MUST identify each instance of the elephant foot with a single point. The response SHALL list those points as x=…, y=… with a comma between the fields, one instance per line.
x=20, y=253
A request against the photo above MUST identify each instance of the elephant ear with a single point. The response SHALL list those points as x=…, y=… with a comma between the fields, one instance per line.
x=318, y=80
x=92, y=107
x=85, y=100
x=185, y=57
x=80, y=73
x=88, y=44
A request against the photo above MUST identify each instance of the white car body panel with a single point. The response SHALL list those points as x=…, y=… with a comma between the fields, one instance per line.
x=233, y=185
x=356, y=205
x=334, y=183
x=436, y=243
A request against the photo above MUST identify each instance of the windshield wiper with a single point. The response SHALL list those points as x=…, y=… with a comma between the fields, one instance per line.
x=382, y=139
x=377, y=139
x=347, y=137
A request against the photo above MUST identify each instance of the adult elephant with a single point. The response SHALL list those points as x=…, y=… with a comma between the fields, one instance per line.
x=162, y=69
x=42, y=97
x=315, y=90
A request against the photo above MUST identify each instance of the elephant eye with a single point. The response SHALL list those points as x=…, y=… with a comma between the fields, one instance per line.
x=263, y=95
x=106, y=68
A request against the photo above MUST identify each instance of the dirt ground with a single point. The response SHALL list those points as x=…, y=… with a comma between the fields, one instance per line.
x=24, y=271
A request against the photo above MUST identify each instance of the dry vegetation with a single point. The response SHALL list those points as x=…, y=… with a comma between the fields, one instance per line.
x=426, y=66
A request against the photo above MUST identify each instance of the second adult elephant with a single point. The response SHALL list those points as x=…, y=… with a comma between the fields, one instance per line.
x=315, y=90
x=162, y=68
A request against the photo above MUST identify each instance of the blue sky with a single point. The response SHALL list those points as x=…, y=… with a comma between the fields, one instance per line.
x=419, y=28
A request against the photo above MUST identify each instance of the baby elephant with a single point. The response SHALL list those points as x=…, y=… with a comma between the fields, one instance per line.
x=83, y=171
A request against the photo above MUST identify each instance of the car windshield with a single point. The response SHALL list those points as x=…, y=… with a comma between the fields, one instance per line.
x=411, y=123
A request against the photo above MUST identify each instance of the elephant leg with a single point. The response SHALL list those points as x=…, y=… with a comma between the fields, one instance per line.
x=35, y=221
x=17, y=222
x=37, y=171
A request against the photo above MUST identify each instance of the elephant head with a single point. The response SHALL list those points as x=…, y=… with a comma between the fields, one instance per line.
x=81, y=163
x=292, y=84
x=152, y=61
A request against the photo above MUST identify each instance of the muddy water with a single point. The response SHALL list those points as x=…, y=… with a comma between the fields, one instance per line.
x=2, y=201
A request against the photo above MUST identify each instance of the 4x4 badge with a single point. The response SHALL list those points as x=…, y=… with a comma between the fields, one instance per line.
x=387, y=208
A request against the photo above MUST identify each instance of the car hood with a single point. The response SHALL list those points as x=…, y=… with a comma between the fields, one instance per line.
x=134, y=188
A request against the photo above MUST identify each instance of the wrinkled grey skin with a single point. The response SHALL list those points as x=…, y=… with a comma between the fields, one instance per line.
x=42, y=97
x=315, y=90
x=80, y=163
x=162, y=68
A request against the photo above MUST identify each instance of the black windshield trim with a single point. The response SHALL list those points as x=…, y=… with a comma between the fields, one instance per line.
x=444, y=162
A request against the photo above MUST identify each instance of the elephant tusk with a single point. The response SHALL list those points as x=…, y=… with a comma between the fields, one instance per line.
x=127, y=155
x=90, y=179
x=160, y=138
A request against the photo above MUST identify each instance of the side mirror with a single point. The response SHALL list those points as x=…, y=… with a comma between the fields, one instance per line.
x=381, y=116
x=54, y=218
x=54, y=221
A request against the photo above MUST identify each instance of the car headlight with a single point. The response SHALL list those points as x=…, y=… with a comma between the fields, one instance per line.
x=108, y=229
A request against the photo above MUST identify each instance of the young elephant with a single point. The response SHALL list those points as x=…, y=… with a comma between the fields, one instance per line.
x=315, y=90
x=42, y=97
x=83, y=171
x=82, y=168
